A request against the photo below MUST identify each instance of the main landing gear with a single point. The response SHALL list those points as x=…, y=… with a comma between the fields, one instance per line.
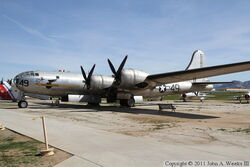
x=55, y=102
x=22, y=104
x=127, y=102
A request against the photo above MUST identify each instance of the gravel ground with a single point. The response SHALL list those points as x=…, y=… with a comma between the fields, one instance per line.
x=194, y=123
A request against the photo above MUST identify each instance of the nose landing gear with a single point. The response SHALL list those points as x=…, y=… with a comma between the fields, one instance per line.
x=22, y=103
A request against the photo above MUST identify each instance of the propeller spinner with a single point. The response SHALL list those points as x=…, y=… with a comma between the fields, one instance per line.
x=88, y=78
x=118, y=73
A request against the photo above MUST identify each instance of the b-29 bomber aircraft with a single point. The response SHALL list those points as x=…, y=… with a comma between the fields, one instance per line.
x=125, y=84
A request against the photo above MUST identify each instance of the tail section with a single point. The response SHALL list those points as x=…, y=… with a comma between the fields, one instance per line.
x=197, y=60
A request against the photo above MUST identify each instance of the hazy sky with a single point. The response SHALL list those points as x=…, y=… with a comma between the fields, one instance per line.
x=158, y=35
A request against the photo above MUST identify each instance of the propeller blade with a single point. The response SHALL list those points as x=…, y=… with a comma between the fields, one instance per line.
x=122, y=65
x=112, y=67
x=83, y=73
x=88, y=79
x=91, y=72
x=118, y=73
x=2, y=81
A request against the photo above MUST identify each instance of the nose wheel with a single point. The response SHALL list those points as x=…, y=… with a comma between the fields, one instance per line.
x=22, y=104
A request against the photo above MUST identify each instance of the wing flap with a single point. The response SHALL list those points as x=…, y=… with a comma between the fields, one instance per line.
x=193, y=74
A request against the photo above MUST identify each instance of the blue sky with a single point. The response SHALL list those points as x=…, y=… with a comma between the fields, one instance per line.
x=158, y=35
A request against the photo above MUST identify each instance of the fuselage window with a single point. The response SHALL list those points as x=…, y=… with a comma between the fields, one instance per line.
x=57, y=77
x=36, y=74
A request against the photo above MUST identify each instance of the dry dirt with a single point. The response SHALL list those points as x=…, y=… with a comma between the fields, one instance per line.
x=193, y=123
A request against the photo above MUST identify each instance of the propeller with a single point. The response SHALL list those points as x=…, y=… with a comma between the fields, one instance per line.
x=88, y=78
x=9, y=81
x=1, y=81
x=118, y=73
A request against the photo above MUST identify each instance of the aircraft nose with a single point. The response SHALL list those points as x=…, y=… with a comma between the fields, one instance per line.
x=16, y=80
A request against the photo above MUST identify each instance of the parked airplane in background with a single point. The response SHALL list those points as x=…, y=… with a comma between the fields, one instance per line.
x=6, y=92
x=124, y=84
x=189, y=95
x=246, y=94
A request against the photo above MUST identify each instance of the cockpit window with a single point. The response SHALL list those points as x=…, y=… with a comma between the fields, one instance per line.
x=26, y=74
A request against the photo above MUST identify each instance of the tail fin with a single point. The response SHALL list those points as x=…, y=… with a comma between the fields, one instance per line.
x=197, y=60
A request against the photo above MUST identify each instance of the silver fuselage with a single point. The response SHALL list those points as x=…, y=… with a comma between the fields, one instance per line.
x=65, y=83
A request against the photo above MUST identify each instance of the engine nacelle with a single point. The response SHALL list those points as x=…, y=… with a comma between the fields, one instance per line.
x=131, y=77
x=101, y=81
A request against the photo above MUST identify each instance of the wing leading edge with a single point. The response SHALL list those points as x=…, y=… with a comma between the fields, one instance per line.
x=193, y=74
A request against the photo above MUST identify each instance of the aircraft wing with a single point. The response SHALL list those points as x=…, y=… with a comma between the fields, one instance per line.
x=192, y=74
x=208, y=83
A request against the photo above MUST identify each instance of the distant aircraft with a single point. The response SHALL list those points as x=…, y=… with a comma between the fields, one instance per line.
x=246, y=94
x=189, y=95
x=6, y=92
x=124, y=84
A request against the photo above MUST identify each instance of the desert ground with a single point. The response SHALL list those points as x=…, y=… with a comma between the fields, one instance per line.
x=194, y=124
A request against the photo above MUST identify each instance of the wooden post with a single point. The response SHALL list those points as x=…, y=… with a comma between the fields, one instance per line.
x=2, y=127
x=47, y=151
x=45, y=134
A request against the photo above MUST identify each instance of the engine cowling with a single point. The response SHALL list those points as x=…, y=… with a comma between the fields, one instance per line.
x=101, y=82
x=131, y=77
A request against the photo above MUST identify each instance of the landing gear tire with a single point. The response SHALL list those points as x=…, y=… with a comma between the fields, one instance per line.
x=93, y=104
x=111, y=100
x=57, y=102
x=127, y=102
x=22, y=104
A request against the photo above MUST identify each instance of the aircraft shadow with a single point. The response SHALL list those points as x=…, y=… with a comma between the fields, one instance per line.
x=128, y=110
x=156, y=112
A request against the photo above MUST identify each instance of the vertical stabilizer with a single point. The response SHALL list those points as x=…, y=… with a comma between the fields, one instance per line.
x=197, y=60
